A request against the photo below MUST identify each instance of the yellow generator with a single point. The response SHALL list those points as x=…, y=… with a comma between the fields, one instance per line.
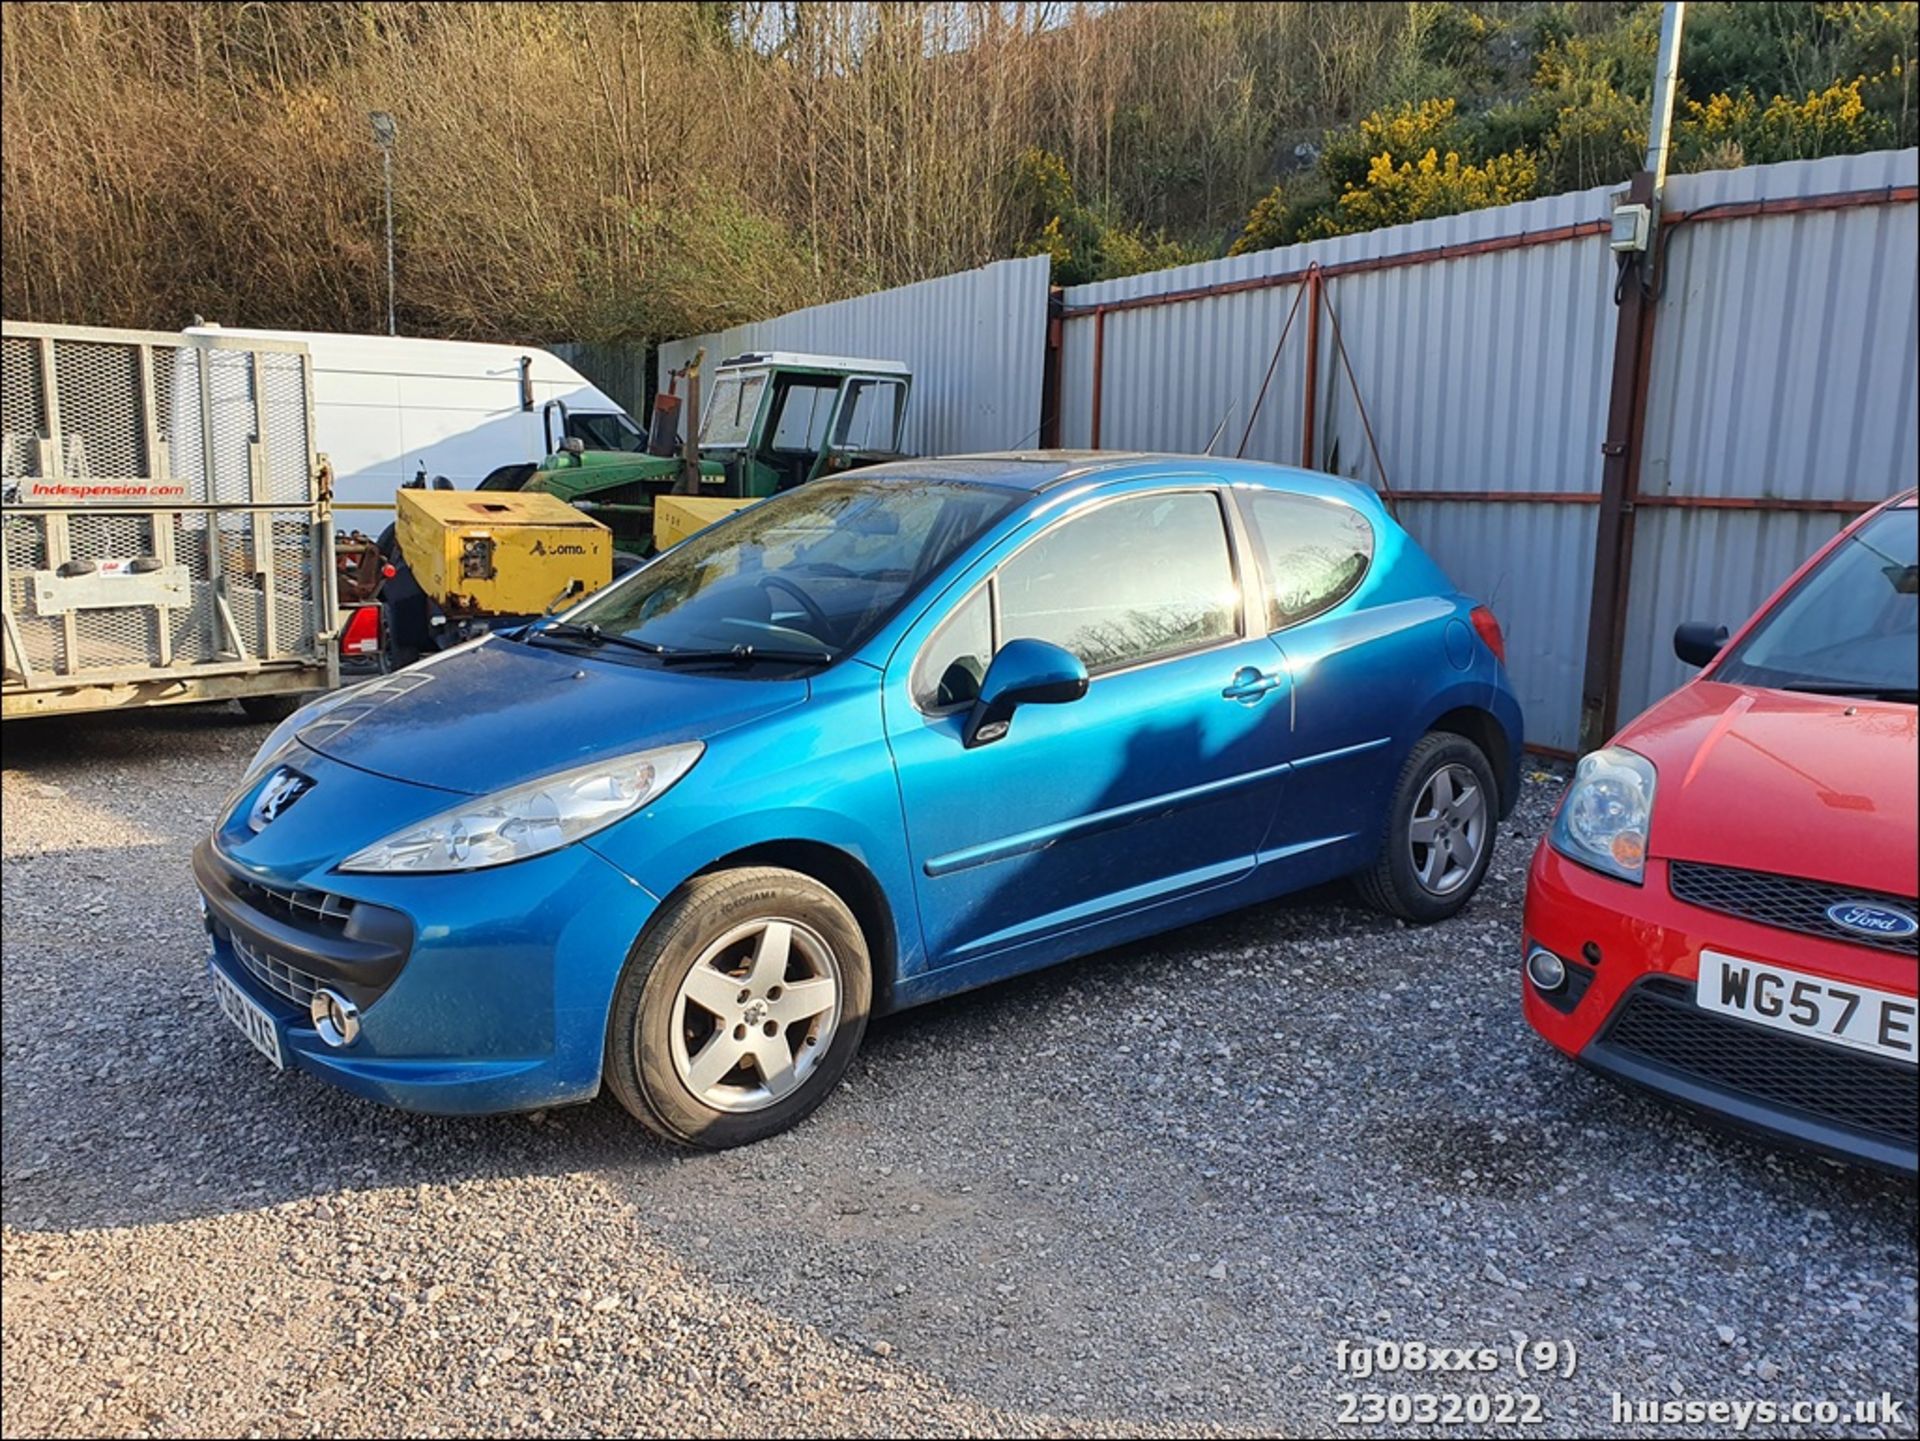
x=500, y=552
x=675, y=517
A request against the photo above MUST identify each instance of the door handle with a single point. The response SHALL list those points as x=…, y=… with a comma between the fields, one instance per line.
x=1249, y=684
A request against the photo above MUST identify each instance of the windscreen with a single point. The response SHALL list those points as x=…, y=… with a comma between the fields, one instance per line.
x=728, y=414
x=1852, y=624
x=811, y=573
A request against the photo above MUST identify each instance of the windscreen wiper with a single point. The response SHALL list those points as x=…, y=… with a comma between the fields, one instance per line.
x=744, y=655
x=592, y=635
x=1845, y=688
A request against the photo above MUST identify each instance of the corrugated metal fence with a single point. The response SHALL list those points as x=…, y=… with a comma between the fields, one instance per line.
x=1483, y=374
x=1463, y=365
x=1782, y=394
x=976, y=343
x=619, y=370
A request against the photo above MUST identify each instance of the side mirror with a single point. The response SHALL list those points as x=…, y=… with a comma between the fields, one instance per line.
x=1025, y=672
x=573, y=445
x=1697, y=641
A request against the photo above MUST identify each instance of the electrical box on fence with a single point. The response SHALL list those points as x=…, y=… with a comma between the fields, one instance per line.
x=1632, y=226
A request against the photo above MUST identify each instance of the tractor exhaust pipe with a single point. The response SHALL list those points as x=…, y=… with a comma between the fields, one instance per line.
x=690, y=462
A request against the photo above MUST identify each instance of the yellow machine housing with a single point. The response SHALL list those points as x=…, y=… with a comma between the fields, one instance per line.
x=500, y=552
x=675, y=517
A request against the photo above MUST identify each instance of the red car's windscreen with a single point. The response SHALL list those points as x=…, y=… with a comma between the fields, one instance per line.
x=1850, y=627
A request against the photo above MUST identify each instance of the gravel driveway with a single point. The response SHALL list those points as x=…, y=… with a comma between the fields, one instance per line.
x=1147, y=1192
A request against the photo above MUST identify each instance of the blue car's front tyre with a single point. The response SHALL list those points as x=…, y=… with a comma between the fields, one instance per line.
x=740, y=1008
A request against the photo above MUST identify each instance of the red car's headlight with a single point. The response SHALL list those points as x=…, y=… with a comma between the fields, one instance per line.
x=1605, y=813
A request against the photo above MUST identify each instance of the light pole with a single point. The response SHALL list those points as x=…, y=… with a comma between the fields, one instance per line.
x=383, y=133
x=1636, y=243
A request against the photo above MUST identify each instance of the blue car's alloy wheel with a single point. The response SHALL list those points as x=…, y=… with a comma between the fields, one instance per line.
x=740, y=1008
x=1439, y=832
x=1449, y=829
x=756, y=1014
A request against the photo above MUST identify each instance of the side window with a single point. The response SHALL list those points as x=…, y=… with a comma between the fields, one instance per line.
x=953, y=663
x=603, y=430
x=870, y=418
x=805, y=408
x=1316, y=553
x=1130, y=581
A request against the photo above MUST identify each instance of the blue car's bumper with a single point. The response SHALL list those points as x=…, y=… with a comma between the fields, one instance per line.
x=479, y=992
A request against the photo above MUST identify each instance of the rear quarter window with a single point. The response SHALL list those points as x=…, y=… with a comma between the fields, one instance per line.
x=1313, y=553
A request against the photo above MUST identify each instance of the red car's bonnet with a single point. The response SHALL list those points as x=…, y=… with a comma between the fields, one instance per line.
x=1769, y=780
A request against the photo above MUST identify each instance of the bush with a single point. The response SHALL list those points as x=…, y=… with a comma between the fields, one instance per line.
x=1590, y=100
x=1405, y=132
x=1412, y=162
x=1083, y=242
x=1431, y=186
x=1833, y=121
x=1284, y=215
x=1582, y=118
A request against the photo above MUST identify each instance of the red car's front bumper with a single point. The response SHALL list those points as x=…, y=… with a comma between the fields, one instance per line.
x=1627, y=1010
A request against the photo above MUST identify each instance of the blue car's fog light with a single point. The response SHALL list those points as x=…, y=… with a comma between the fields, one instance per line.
x=335, y=1018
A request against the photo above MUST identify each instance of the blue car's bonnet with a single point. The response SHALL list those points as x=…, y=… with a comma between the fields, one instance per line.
x=506, y=712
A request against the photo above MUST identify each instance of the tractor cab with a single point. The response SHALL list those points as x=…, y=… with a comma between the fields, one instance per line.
x=777, y=419
x=609, y=436
x=768, y=421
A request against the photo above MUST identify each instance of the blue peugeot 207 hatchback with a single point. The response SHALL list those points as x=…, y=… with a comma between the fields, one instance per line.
x=874, y=741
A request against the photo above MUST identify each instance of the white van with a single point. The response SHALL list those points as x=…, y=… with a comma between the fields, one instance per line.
x=390, y=409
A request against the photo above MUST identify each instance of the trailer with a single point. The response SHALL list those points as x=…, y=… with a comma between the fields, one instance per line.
x=168, y=530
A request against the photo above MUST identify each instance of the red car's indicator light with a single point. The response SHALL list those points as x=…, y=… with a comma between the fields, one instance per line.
x=1489, y=629
x=1630, y=849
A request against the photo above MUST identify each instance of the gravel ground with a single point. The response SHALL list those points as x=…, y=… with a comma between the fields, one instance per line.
x=1146, y=1192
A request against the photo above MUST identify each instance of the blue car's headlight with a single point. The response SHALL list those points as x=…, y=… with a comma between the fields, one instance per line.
x=529, y=820
x=1604, y=818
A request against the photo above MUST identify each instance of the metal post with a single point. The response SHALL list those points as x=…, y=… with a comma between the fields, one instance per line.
x=383, y=134
x=1312, y=383
x=1050, y=373
x=1099, y=374
x=1626, y=413
x=690, y=454
x=1666, y=74
x=386, y=167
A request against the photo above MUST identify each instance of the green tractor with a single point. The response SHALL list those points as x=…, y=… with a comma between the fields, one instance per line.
x=772, y=420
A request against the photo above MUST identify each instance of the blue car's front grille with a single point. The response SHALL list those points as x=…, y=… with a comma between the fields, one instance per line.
x=293, y=940
x=288, y=982
x=318, y=911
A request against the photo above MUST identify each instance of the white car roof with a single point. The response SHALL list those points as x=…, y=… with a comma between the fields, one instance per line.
x=414, y=355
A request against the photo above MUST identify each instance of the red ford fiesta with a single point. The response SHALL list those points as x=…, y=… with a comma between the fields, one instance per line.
x=1724, y=911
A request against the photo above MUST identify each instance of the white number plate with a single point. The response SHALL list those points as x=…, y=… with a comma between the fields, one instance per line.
x=1832, y=1011
x=255, y=1024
